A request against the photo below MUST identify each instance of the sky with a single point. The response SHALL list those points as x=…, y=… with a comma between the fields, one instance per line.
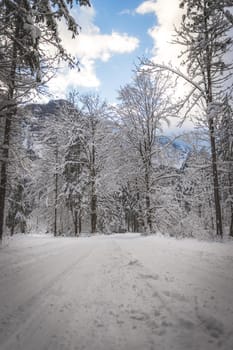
x=114, y=35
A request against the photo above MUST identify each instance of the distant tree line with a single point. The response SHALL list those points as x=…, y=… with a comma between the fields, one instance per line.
x=80, y=165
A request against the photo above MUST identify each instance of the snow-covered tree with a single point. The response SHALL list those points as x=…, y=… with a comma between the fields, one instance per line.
x=225, y=152
x=94, y=112
x=144, y=106
x=24, y=27
x=204, y=35
x=19, y=205
x=74, y=169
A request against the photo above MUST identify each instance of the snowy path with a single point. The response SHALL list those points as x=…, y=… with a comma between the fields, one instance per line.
x=116, y=293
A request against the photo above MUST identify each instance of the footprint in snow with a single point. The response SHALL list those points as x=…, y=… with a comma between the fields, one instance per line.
x=187, y=324
x=175, y=295
x=134, y=262
x=153, y=277
x=138, y=315
x=214, y=327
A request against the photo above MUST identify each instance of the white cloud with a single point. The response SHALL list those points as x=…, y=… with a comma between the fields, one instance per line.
x=68, y=78
x=146, y=7
x=168, y=15
x=102, y=46
x=90, y=45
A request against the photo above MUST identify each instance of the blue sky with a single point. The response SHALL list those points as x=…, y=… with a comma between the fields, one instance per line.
x=114, y=34
x=118, y=70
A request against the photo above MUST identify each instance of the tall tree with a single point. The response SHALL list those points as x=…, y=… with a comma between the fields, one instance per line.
x=23, y=27
x=94, y=112
x=204, y=35
x=75, y=172
x=225, y=151
x=144, y=107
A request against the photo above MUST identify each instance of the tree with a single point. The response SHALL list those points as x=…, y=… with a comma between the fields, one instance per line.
x=23, y=27
x=225, y=150
x=70, y=162
x=75, y=172
x=204, y=34
x=223, y=6
x=144, y=106
x=56, y=181
x=94, y=112
x=20, y=206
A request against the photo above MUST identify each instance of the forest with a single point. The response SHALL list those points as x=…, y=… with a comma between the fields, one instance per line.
x=81, y=165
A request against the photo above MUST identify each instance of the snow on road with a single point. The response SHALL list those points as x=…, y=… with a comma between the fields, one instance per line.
x=116, y=292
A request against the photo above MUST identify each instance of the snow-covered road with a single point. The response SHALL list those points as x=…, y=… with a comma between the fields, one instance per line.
x=116, y=292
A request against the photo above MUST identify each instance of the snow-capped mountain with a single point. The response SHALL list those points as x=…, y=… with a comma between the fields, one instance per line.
x=175, y=151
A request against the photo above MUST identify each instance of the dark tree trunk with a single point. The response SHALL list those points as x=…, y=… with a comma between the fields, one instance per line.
x=230, y=184
x=55, y=222
x=135, y=223
x=93, y=193
x=231, y=222
x=148, y=208
x=6, y=142
x=7, y=130
x=56, y=192
x=12, y=229
x=93, y=210
x=140, y=220
x=209, y=101
x=3, y=182
x=79, y=224
x=23, y=227
x=79, y=211
x=75, y=223
x=218, y=213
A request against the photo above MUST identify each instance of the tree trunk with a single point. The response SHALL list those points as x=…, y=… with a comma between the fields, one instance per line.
x=23, y=227
x=231, y=222
x=3, y=182
x=135, y=222
x=56, y=192
x=75, y=223
x=218, y=214
x=79, y=218
x=148, y=208
x=140, y=215
x=12, y=229
x=230, y=184
x=55, y=221
x=209, y=101
x=7, y=130
x=93, y=193
x=93, y=209
x=79, y=224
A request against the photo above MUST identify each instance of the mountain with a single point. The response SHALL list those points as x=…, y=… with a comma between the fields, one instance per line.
x=177, y=151
x=178, y=144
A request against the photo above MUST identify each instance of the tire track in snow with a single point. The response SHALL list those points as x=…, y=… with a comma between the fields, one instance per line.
x=177, y=309
x=20, y=318
x=17, y=265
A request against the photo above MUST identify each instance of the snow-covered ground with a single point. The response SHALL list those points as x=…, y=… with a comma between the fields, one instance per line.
x=115, y=292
